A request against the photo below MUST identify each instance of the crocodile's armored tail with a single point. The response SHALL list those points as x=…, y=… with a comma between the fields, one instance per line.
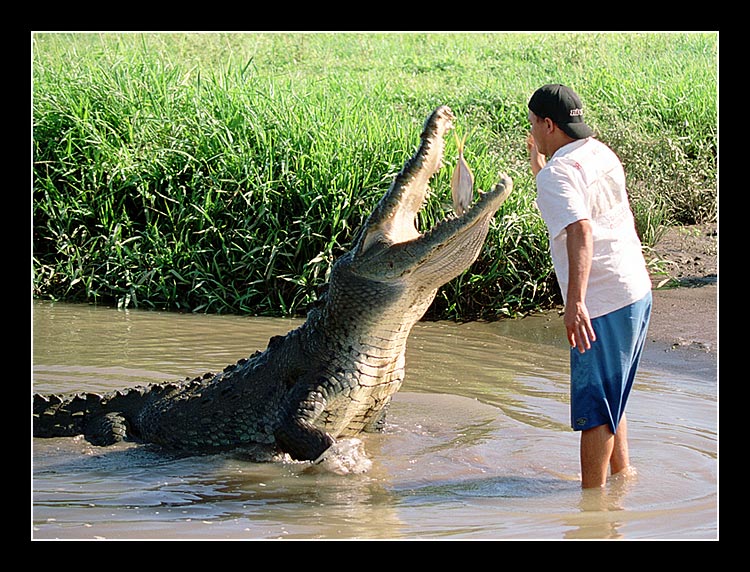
x=104, y=419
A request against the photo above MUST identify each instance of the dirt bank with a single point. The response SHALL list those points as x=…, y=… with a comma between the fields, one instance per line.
x=683, y=334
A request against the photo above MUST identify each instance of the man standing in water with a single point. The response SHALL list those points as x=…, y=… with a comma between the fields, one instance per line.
x=601, y=271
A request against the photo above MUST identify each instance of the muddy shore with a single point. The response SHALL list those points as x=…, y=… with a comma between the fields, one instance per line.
x=683, y=334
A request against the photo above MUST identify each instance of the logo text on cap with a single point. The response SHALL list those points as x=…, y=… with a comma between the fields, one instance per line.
x=575, y=112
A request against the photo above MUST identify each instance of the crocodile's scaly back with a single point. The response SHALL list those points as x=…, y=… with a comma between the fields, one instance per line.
x=333, y=376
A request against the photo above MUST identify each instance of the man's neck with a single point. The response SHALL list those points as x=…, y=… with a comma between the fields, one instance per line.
x=559, y=141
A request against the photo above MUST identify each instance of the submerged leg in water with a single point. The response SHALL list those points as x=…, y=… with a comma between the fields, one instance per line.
x=601, y=450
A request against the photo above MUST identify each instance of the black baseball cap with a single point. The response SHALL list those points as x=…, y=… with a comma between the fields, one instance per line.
x=563, y=106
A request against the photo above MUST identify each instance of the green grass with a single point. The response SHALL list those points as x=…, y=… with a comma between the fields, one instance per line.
x=226, y=172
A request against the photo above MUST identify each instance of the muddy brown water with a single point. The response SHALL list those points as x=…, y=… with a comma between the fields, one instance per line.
x=477, y=444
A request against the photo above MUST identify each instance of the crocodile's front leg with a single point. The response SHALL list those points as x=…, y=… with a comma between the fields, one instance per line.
x=296, y=434
x=302, y=440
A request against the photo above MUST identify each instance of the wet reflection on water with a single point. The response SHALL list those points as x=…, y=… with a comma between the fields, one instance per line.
x=477, y=444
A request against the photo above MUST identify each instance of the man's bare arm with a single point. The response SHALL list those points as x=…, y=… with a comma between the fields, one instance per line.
x=580, y=252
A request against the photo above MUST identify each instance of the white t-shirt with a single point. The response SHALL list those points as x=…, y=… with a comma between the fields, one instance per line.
x=585, y=180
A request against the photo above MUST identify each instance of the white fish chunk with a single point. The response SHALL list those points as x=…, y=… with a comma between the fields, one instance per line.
x=462, y=181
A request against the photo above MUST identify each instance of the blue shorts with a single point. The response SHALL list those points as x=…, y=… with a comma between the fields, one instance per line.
x=601, y=378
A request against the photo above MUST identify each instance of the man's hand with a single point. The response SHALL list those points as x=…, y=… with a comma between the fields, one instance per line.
x=578, y=327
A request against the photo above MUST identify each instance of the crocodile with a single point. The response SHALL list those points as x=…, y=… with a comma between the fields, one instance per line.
x=334, y=375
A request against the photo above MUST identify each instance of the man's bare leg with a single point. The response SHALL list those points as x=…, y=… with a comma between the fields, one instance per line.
x=597, y=445
x=620, y=460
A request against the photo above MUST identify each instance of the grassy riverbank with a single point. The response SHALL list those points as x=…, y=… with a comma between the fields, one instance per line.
x=226, y=172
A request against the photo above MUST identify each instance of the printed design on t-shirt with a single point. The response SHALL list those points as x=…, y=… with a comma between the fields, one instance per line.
x=609, y=206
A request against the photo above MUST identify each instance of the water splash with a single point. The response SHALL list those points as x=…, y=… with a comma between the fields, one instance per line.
x=344, y=457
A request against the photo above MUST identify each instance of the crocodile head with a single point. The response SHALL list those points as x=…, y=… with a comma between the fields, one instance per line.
x=391, y=248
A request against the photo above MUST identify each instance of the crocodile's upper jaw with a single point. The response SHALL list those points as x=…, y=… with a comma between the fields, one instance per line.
x=391, y=247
